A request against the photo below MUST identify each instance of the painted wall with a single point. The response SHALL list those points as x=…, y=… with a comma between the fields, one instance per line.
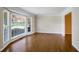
x=33, y=24
x=49, y=24
x=75, y=28
x=1, y=28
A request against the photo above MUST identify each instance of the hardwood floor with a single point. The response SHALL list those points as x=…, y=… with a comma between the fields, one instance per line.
x=41, y=42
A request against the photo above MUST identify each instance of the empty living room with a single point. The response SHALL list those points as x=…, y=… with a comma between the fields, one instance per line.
x=39, y=29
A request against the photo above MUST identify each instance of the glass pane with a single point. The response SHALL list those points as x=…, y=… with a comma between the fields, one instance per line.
x=6, y=32
x=5, y=35
x=5, y=18
x=17, y=25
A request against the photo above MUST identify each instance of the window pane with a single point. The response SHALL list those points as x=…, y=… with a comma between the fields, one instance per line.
x=17, y=25
x=5, y=27
x=5, y=18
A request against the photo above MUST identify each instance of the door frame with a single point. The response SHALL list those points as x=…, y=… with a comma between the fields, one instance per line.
x=68, y=36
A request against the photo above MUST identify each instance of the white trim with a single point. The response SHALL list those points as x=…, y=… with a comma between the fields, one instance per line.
x=66, y=11
x=17, y=36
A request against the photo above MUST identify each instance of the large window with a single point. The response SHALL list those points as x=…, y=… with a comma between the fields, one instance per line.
x=17, y=24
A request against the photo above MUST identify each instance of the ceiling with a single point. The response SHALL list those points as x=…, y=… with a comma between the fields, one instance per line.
x=45, y=10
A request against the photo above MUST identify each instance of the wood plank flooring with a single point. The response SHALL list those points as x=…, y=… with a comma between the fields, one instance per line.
x=41, y=42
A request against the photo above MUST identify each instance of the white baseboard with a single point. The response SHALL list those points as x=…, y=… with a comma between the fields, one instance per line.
x=50, y=33
x=75, y=47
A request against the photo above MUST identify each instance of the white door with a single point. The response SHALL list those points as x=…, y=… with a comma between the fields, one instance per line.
x=5, y=26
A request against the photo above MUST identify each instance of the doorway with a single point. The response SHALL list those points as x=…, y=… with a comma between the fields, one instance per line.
x=68, y=31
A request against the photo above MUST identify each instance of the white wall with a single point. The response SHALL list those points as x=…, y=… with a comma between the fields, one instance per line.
x=49, y=24
x=75, y=28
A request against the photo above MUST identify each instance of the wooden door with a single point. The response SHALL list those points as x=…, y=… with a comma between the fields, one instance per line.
x=68, y=31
